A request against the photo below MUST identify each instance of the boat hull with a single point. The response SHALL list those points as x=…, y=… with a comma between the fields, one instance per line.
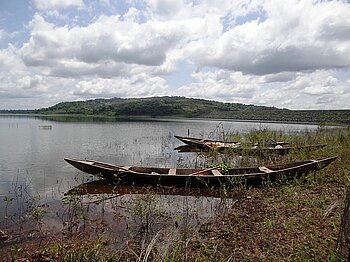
x=279, y=148
x=198, y=177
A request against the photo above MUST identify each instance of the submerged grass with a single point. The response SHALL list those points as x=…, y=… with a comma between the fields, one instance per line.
x=286, y=221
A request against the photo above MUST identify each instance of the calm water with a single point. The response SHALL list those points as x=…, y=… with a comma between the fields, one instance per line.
x=33, y=173
x=33, y=154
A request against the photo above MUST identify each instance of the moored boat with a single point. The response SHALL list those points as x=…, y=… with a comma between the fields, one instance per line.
x=206, y=143
x=211, y=177
x=270, y=148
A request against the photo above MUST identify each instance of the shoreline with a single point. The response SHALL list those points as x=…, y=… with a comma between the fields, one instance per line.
x=172, y=118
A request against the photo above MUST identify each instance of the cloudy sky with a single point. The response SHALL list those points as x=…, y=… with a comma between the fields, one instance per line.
x=291, y=54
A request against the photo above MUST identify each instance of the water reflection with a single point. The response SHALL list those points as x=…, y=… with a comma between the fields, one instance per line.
x=120, y=214
x=105, y=187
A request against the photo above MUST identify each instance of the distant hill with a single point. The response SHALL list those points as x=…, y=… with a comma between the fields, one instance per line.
x=194, y=108
x=152, y=106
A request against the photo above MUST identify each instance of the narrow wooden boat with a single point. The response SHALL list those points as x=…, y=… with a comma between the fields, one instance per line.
x=211, y=177
x=206, y=143
x=276, y=148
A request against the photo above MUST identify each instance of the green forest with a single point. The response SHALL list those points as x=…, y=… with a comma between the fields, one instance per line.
x=191, y=108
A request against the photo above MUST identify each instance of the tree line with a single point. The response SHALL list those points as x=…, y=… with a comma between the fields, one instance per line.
x=191, y=108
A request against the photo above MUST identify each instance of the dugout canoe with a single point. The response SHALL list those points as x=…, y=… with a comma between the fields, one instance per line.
x=271, y=148
x=206, y=143
x=211, y=177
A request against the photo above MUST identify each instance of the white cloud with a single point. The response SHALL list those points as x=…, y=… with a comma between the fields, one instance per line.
x=223, y=86
x=135, y=86
x=266, y=52
x=23, y=88
x=110, y=41
x=316, y=90
x=57, y=4
x=168, y=8
x=292, y=38
x=133, y=15
x=182, y=9
x=35, y=87
x=8, y=58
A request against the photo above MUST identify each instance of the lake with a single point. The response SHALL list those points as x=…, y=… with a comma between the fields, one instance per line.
x=33, y=148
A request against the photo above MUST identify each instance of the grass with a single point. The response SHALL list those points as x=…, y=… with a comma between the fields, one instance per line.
x=84, y=251
x=288, y=221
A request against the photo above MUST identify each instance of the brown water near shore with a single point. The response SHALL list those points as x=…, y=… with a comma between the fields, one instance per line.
x=117, y=213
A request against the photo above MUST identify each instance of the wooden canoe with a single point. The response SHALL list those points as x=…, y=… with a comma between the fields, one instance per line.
x=211, y=177
x=206, y=143
x=275, y=148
